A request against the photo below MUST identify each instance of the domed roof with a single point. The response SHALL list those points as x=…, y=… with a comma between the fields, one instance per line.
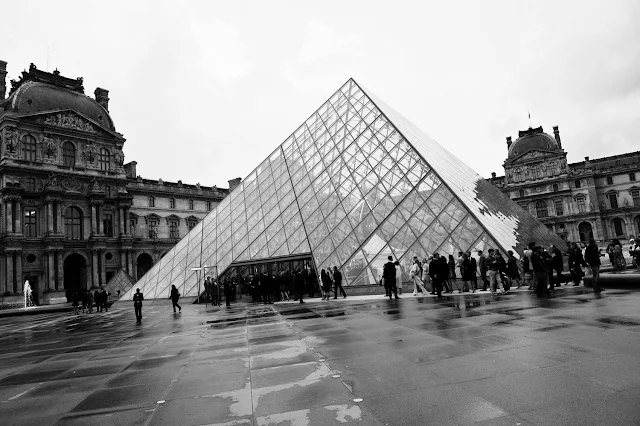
x=34, y=97
x=532, y=139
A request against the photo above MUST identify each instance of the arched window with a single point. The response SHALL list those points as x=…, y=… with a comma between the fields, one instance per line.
x=69, y=154
x=172, y=203
x=190, y=204
x=30, y=184
x=541, y=209
x=73, y=223
x=618, y=226
x=29, y=148
x=104, y=159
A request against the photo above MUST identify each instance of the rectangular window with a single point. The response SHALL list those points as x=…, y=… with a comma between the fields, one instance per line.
x=635, y=194
x=152, y=224
x=190, y=204
x=30, y=223
x=609, y=180
x=559, y=208
x=191, y=224
x=632, y=177
x=107, y=224
x=173, y=230
x=132, y=225
x=152, y=201
x=208, y=205
x=613, y=200
x=577, y=184
x=172, y=203
x=581, y=205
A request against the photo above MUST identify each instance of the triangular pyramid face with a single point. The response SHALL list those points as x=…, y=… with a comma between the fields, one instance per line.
x=352, y=185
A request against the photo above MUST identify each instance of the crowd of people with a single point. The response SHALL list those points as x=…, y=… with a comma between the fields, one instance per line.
x=84, y=299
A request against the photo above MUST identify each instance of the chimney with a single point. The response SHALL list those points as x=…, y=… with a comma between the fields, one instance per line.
x=233, y=183
x=493, y=175
x=586, y=159
x=102, y=97
x=509, y=142
x=130, y=169
x=556, y=133
x=3, y=81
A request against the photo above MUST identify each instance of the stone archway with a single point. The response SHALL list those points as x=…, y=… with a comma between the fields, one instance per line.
x=143, y=264
x=75, y=274
x=586, y=231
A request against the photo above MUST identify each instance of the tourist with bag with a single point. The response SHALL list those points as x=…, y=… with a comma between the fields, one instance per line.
x=174, y=296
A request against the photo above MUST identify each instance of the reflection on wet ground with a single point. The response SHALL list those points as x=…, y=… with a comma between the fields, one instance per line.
x=471, y=359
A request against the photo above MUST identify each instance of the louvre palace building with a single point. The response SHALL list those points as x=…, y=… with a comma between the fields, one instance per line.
x=73, y=213
x=594, y=198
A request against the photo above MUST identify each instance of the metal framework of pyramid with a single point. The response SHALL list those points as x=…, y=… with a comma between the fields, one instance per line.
x=352, y=185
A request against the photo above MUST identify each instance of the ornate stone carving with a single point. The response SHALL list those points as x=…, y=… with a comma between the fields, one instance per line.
x=90, y=152
x=49, y=147
x=10, y=139
x=71, y=184
x=69, y=121
x=119, y=157
x=95, y=185
x=53, y=182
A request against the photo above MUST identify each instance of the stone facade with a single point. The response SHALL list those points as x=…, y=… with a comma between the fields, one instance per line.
x=597, y=198
x=73, y=214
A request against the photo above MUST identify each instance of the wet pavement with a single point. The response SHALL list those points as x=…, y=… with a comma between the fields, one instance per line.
x=471, y=359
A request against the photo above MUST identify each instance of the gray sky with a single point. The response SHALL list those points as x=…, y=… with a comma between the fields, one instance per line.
x=205, y=90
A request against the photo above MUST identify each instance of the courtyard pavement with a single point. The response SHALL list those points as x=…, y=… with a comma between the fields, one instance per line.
x=471, y=359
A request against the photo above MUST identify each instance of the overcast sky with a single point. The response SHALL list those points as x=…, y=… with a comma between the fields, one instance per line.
x=205, y=90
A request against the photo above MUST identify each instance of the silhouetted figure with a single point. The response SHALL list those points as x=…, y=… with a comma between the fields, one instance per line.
x=75, y=301
x=104, y=298
x=337, y=283
x=137, y=305
x=228, y=291
x=438, y=271
x=389, y=276
x=298, y=283
x=592, y=257
x=175, y=295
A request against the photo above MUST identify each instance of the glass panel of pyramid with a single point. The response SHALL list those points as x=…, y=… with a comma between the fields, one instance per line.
x=355, y=183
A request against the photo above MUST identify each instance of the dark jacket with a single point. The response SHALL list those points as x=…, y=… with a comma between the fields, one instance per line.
x=512, y=267
x=482, y=263
x=492, y=264
x=337, y=278
x=389, y=271
x=175, y=295
x=438, y=269
x=137, y=299
x=557, y=263
x=592, y=255
x=575, y=259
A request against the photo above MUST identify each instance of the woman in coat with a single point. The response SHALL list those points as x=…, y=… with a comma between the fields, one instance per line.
x=175, y=295
x=326, y=284
x=576, y=262
x=416, y=272
x=618, y=257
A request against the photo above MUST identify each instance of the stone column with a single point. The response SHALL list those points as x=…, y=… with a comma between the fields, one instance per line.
x=94, y=267
x=123, y=260
x=19, y=279
x=9, y=216
x=18, y=228
x=3, y=274
x=58, y=217
x=99, y=219
x=123, y=222
x=10, y=283
x=127, y=231
x=131, y=264
x=52, y=271
x=50, y=216
x=93, y=219
x=103, y=269
x=60, y=270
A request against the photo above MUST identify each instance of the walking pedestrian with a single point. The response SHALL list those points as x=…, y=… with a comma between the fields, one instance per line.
x=426, y=279
x=513, y=273
x=104, y=298
x=75, y=301
x=298, y=283
x=540, y=266
x=389, y=277
x=228, y=291
x=618, y=257
x=557, y=264
x=137, y=305
x=482, y=264
x=89, y=302
x=337, y=283
x=174, y=296
x=326, y=284
x=451, y=265
x=438, y=271
x=493, y=268
x=526, y=265
x=416, y=272
x=592, y=257
x=576, y=262
x=473, y=272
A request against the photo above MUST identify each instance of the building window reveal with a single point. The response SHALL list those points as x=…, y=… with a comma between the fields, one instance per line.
x=577, y=183
x=190, y=204
x=609, y=180
x=69, y=154
x=555, y=187
x=541, y=209
x=521, y=193
x=107, y=224
x=30, y=184
x=618, y=226
x=152, y=201
x=191, y=224
x=30, y=223
x=558, y=206
x=73, y=224
x=635, y=194
x=174, y=231
x=208, y=205
x=29, y=148
x=172, y=203
x=613, y=200
x=152, y=224
x=632, y=177
x=581, y=205
x=104, y=159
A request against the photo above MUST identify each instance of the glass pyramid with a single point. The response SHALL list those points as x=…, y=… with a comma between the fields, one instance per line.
x=352, y=185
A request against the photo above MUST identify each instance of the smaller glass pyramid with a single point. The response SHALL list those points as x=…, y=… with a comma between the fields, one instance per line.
x=352, y=185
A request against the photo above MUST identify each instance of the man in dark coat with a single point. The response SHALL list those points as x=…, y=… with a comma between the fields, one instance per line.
x=438, y=272
x=104, y=298
x=557, y=265
x=389, y=276
x=337, y=283
x=228, y=291
x=137, y=305
x=298, y=284
x=482, y=264
x=592, y=257
x=265, y=283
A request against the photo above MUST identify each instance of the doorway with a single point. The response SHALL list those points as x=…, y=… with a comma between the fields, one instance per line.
x=75, y=274
x=143, y=264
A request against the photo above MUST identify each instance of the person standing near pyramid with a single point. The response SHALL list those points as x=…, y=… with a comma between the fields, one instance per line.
x=137, y=305
x=389, y=276
x=438, y=271
x=337, y=283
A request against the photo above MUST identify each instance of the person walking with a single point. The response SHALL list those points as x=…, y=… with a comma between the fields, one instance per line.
x=174, y=296
x=426, y=279
x=89, y=302
x=618, y=257
x=576, y=262
x=137, y=305
x=592, y=258
x=265, y=281
x=104, y=298
x=557, y=264
x=513, y=273
x=228, y=291
x=298, y=283
x=326, y=284
x=389, y=276
x=416, y=272
x=75, y=302
x=526, y=265
x=451, y=267
x=438, y=271
x=482, y=265
x=540, y=267
x=493, y=267
x=337, y=283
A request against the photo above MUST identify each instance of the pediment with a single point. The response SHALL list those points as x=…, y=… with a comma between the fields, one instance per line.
x=531, y=155
x=68, y=119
